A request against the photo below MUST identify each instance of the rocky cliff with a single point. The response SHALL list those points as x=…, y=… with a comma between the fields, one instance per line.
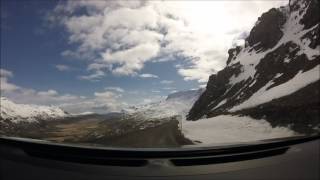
x=275, y=75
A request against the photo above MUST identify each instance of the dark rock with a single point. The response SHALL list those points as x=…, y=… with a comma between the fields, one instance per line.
x=267, y=32
x=299, y=110
x=233, y=53
x=312, y=15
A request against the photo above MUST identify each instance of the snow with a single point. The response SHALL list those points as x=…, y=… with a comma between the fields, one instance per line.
x=253, y=82
x=176, y=104
x=221, y=103
x=84, y=113
x=293, y=32
x=278, y=75
x=301, y=80
x=28, y=113
x=287, y=60
x=249, y=60
x=232, y=129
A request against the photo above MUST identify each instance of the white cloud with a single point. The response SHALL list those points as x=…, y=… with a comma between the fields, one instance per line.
x=117, y=89
x=62, y=67
x=6, y=86
x=97, y=71
x=95, y=76
x=98, y=66
x=102, y=102
x=30, y=96
x=50, y=92
x=155, y=91
x=131, y=60
x=108, y=100
x=5, y=73
x=107, y=95
x=148, y=76
x=166, y=82
x=124, y=35
x=169, y=88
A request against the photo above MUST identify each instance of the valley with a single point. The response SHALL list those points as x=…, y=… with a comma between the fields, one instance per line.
x=101, y=131
x=269, y=88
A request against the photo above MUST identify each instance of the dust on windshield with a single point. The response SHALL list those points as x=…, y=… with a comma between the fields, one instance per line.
x=159, y=74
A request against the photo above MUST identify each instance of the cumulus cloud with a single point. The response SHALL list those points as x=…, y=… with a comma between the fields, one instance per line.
x=6, y=86
x=5, y=73
x=124, y=35
x=26, y=95
x=148, y=76
x=101, y=102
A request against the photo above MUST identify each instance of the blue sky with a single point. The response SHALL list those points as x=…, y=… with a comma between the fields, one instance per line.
x=116, y=53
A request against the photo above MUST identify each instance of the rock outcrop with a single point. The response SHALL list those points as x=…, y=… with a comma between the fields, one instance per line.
x=275, y=76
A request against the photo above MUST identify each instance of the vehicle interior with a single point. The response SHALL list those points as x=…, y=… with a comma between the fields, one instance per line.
x=152, y=89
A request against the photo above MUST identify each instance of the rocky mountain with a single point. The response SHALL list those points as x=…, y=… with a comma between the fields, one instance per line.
x=15, y=113
x=275, y=75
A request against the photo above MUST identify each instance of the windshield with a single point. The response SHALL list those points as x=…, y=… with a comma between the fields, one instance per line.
x=159, y=74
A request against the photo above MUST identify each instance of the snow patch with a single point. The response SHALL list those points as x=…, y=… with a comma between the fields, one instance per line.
x=232, y=129
x=221, y=103
x=300, y=80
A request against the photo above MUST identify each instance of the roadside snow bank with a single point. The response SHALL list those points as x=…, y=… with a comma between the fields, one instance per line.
x=232, y=129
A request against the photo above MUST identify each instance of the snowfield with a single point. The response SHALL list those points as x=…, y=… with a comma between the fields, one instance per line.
x=232, y=129
x=216, y=130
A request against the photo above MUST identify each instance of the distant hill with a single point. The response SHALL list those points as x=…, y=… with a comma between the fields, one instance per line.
x=15, y=113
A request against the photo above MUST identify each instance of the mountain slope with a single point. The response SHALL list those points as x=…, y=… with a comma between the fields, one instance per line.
x=277, y=69
x=178, y=103
x=13, y=112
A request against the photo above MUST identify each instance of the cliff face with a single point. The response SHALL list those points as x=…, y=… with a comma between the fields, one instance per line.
x=275, y=76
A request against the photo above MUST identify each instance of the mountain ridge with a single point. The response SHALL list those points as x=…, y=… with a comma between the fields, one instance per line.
x=282, y=47
x=28, y=113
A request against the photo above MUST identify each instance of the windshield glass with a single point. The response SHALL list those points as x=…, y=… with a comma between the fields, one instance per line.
x=159, y=74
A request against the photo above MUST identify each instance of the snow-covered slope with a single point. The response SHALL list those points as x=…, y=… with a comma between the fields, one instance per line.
x=275, y=74
x=178, y=103
x=232, y=129
x=28, y=113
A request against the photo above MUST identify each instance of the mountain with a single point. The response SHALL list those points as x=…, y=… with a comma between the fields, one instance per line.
x=15, y=113
x=275, y=75
x=178, y=103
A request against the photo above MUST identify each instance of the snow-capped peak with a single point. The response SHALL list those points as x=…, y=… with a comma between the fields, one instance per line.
x=28, y=113
x=178, y=103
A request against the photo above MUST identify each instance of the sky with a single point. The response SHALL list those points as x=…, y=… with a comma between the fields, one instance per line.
x=103, y=56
